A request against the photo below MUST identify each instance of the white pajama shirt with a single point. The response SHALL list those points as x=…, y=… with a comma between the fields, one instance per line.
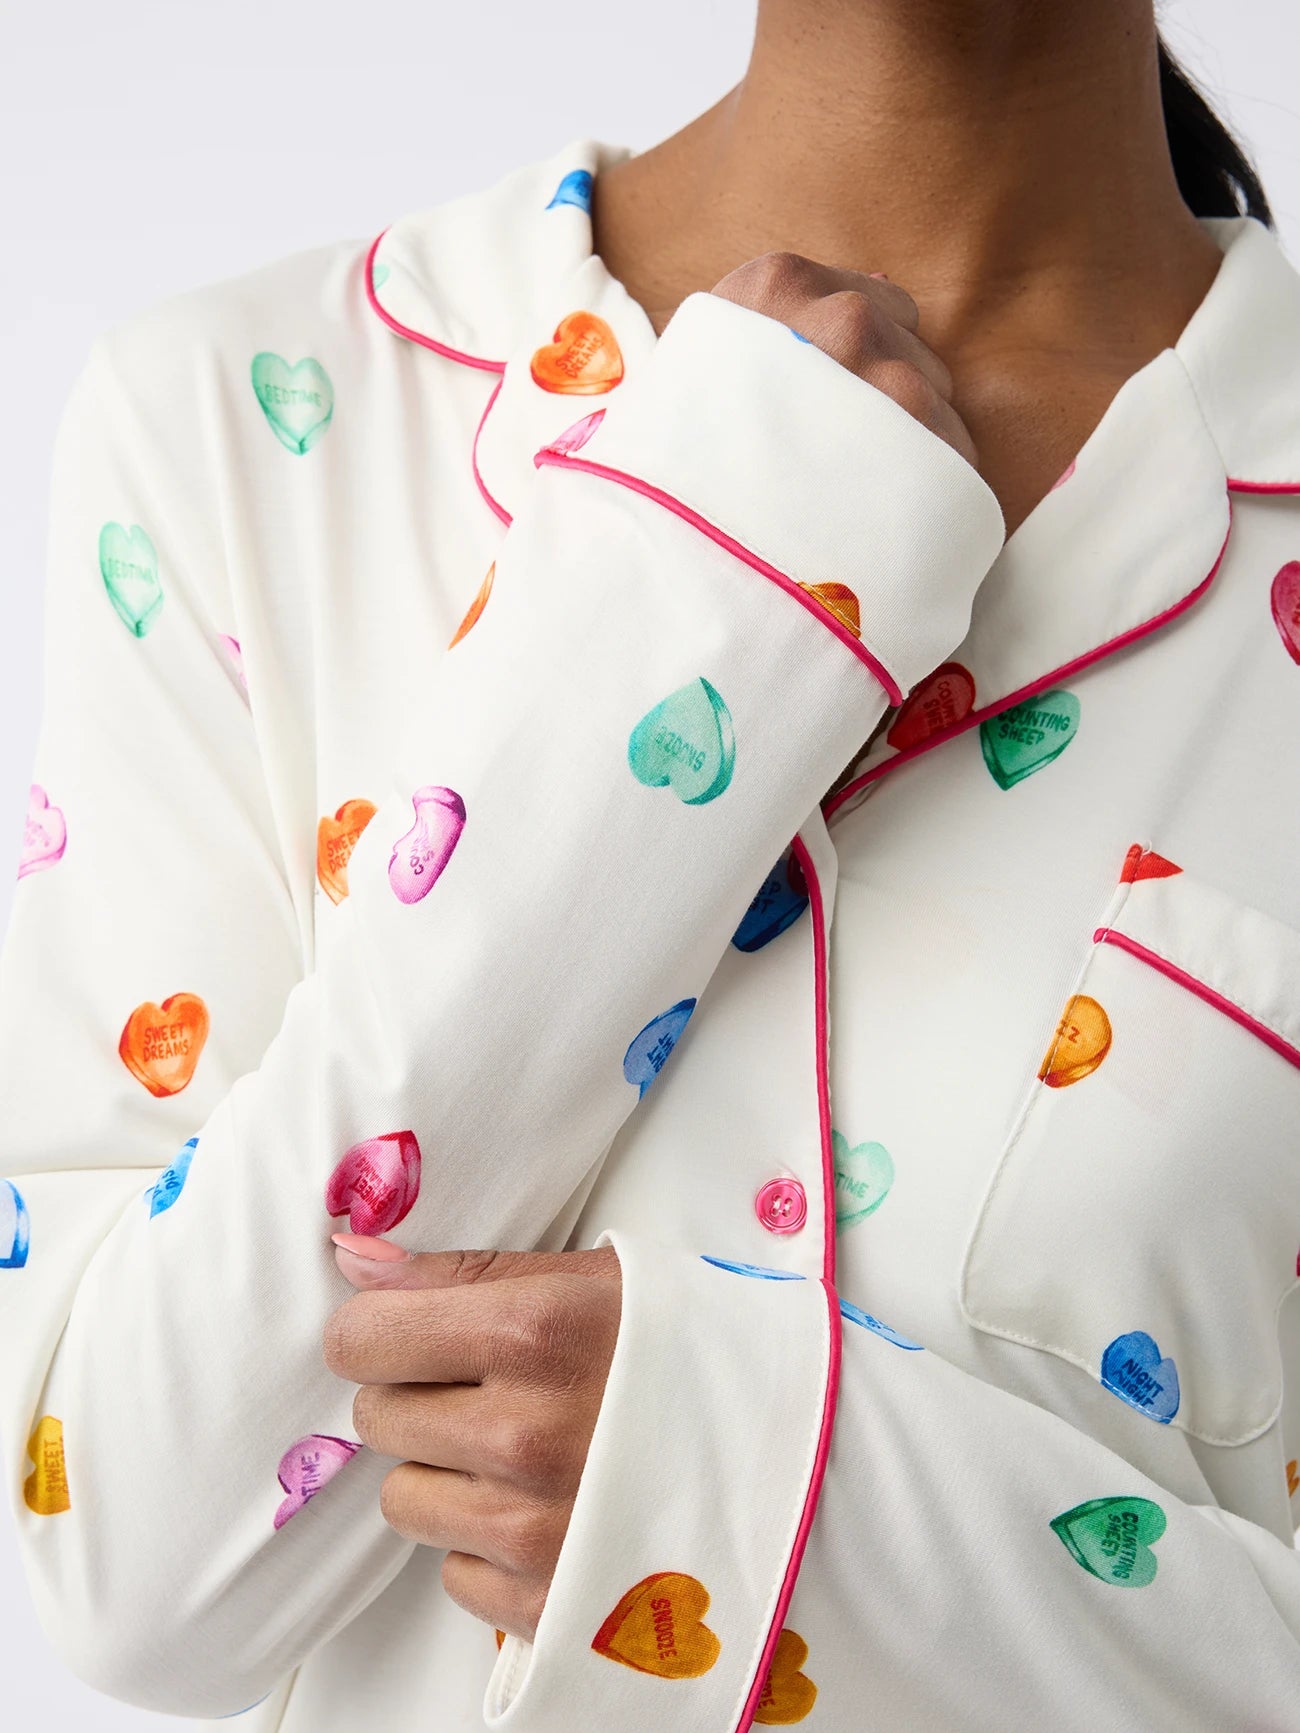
x=438, y=665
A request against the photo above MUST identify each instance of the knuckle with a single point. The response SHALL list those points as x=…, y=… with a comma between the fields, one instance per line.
x=338, y=1342
x=529, y=1329
x=367, y=1407
x=908, y=387
x=394, y=1505
x=473, y=1266
x=527, y=1541
x=773, y=276
x=516, y=1448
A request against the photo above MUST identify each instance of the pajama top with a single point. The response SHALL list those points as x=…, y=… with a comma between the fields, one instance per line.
x=430, y=836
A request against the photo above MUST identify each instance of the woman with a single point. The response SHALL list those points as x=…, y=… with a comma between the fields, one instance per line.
x=446, y=637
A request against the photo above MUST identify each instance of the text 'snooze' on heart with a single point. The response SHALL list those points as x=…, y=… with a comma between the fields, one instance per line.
x=686, y=743
x=658, y=1627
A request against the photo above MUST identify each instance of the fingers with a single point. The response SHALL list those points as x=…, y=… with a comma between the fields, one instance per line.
x=368, y=1262
x=435, y=1507
x=471, y=1431
x=782, y=283
x=510, y=1603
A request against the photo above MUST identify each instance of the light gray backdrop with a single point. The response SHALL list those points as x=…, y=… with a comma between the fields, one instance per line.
x=148, y=148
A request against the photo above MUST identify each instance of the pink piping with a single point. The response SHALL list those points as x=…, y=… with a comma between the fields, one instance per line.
x=1266, y=1035
x=496, y=505
x=562, y=461
x=418, y=336
x=1263, y=486
x=832, y=806
x=821, y=1037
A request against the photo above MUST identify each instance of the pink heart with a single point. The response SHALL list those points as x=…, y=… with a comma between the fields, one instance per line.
x=576, y=436
x=1064, y=476
x=45, y=836
x=306, y=1466
x=376, y=1182
x=236, y=655
x=420, y=855
x=1285, y=597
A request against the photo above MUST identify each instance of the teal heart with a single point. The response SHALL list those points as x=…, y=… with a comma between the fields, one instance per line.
x=379, y=276
x=1021, y=740
x=863, y=1176
x=1112, y=1538
x=129, y=568
x=297, y=401
x=685, y=743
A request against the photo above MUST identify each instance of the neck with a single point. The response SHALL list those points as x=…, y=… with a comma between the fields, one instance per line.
x=1004, y=160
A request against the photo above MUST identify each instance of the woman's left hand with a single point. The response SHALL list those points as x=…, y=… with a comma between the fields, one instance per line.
x=484, y=1373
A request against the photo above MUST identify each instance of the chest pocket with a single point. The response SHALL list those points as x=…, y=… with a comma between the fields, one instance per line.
x=1144, y=1217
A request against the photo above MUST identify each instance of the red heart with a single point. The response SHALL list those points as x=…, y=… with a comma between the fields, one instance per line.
x=942, y=699
x=1140, y=863
x=376, y=1183
x=1285, y=597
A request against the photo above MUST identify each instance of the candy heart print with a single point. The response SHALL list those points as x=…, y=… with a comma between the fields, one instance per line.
x=1285, y=598
x=648, y=1051
x=162, y=1194
x=582, y=360
x=855, y=1315
x=838, y=599
x=420, y=856
x=15, y=1230
x=576, y=435
x=1132, y=1368
x=685, y=743
x=1145, y=863
x=863, y=1176
x=788, y=1694
x=235, y=656
x=778, y=903
x=161, y=1044
x=128, y=565
x=1081, y=1042
x=306, y=1466
x=760, y=1272
x=1112, y=1538
x=376, y=1182
x=658, y=1627
x=476, y=607
x=1022, y=739
x=942, y=699
x=297, y=401
x=45, y=835
x=574, y=189
x=45, y=1489
x=335, y=840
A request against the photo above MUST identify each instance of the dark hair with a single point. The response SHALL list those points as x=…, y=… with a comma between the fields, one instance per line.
x=1215, y=176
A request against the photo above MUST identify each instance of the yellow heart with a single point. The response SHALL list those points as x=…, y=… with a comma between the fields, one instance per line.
x=335, y=840
x=1081, y=1042
x=1292, y=1479
x=476, y=607
x=582, y=360
x=46, y=1487
x=788, y=1694
x=838, y=599
x=658, y=1627
x=161, y=1044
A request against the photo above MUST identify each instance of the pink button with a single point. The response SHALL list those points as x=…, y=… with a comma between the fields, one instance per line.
x=782, y=1206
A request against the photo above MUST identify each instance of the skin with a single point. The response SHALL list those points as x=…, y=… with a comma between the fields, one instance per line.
x=1004, y=163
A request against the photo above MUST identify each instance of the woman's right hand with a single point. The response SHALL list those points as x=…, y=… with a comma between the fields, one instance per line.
x=866, y=323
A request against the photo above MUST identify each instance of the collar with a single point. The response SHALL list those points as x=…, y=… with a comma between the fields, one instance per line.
x=1129, y=538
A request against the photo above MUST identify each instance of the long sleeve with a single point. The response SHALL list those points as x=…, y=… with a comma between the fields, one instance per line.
x=976, y=1561
x=591, y=785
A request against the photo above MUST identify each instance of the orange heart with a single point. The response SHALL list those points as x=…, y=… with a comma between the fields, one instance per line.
x=46, y=1488
x=500, y=1637
x=477, y=606
x=658, y=1627
x=335, y=840
x=838, y=599
x=583, y=359
x=1081, y=1042
x=161, y=1043
x=788, y=1694
x=1292, y=1479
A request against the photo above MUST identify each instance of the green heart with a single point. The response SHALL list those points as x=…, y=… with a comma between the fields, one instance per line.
x=379, y=276
x=1112, y=1538
x=1021, y=740
x=297, y=401
x=685, y=743
x=129, y=567
x=863, y=1176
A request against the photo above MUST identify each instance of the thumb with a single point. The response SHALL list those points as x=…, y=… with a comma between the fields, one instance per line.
x=369, y=1262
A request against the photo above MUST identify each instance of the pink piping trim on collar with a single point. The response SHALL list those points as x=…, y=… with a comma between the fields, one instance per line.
x=418, y=336
x=1263, y=486
x=495, y=504
x=561, y=460
x=1202, y=991
x=821, y=1037
x=832, y=806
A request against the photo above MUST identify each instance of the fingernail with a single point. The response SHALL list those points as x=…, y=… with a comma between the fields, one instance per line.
x=884, y=274
x=367, y=1246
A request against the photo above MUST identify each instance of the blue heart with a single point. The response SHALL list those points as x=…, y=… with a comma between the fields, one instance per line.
x=574, y=189
x=1133, y=1369
x=781, y=899
x=856, y=1315
x=162, y=1194
x=648, y=1052
x=14, y=1227
x=764, y=1275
